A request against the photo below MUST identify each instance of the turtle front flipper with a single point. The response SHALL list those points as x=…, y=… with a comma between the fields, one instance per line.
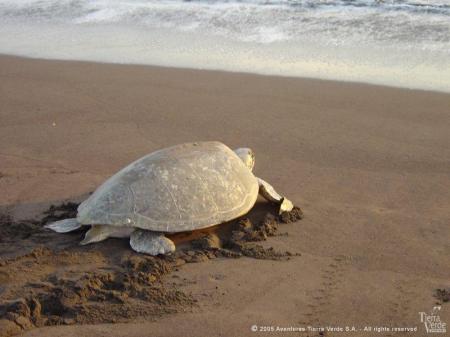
x=64, y=226
x=268, y=192
x=152, y=243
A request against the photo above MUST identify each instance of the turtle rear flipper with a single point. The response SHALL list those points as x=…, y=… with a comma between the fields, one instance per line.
x=99, y=233
x=64, y=226
x=152, y=243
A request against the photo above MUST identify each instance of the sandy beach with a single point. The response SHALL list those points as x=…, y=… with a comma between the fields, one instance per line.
x=369, y=166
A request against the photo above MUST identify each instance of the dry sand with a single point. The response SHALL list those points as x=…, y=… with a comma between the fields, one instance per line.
x=369, y=165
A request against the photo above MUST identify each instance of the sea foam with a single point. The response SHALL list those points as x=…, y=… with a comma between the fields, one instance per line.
x=395, y=42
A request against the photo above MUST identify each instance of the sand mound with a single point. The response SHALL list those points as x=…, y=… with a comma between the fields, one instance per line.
x=55, y=281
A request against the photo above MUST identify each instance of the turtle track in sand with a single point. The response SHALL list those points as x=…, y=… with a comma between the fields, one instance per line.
x=49, y=279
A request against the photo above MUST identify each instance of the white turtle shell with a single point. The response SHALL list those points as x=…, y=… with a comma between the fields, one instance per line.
x=184, y=187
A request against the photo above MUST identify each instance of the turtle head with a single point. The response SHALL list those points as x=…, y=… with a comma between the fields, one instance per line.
x=246, y=156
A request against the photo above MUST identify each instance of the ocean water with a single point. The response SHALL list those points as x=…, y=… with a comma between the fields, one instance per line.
x=402, y=43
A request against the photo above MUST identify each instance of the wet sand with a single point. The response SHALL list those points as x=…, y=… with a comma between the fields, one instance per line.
x=369, y=165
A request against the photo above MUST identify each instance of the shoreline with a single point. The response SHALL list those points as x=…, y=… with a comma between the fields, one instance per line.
x=335, y=40
x=236, y=72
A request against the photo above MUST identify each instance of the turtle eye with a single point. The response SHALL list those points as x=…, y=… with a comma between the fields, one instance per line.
x=253, y=159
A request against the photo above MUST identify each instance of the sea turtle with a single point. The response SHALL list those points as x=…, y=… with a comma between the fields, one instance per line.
x=176, y=189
